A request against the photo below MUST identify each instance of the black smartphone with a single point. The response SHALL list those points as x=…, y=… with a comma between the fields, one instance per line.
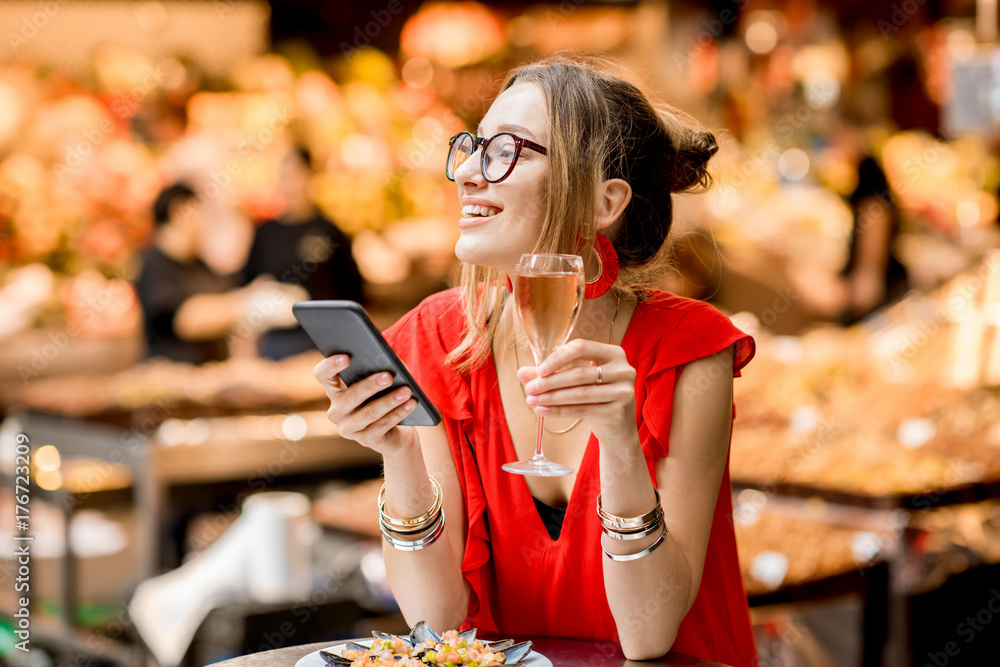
x=343, y=327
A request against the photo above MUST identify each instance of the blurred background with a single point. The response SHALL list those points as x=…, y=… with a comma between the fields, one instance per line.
x=173, y=175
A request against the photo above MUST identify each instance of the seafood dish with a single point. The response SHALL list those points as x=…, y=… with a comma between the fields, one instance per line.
x=423, y=646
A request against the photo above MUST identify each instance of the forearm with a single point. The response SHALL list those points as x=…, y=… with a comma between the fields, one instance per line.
x=206, y=316
x=648, y=596
x=428, y=584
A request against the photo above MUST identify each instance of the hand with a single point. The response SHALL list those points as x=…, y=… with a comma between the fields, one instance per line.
x=375, y=425
x=562, y=387
x=267, y=304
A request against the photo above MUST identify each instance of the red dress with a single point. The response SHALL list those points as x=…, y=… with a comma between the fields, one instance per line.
x=522, y=581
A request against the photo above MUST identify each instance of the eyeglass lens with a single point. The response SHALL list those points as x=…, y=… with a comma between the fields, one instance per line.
x=496, y=162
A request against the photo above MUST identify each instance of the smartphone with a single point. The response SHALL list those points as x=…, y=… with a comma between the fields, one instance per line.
x=343, y=327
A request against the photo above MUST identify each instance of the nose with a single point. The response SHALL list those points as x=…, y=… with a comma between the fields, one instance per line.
x=469, y=172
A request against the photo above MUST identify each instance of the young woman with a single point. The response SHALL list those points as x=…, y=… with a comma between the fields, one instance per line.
x=568, y=159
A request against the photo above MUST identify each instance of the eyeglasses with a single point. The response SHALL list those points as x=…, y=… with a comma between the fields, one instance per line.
x=500, y=153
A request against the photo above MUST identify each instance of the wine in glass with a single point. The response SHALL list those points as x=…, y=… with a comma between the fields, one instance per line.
x=548, y=295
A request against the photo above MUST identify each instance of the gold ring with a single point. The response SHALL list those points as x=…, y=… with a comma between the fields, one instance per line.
x=600, y=375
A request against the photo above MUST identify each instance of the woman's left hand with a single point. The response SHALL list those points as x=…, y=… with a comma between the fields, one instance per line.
x=601, y=388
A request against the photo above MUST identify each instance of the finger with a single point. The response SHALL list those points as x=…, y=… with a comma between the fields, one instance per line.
x=526, y=374
x=578, y=395
x=362, y=390
x=376, y=431
x=359, y=422
x=595, y=411
x=576, y=376
x=575, y=351
x=329, y=369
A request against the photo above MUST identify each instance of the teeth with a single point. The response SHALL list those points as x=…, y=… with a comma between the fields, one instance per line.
x=484, y=211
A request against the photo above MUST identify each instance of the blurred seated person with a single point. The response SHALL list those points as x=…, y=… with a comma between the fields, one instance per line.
x=873, y=275
x=187, y=308
x=302, y=247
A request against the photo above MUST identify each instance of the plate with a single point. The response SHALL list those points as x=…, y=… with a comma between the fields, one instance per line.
x=534, y=659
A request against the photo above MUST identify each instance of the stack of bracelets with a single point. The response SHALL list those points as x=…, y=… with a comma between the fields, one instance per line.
x=393, y=529
x=633, y=528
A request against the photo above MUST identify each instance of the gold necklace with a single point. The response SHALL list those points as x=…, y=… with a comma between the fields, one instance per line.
x=517, y=365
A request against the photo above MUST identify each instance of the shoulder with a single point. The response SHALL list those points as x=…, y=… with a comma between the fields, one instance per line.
x=683, y=330
x=327, y=226
x=439, y=314
x=447, y=303
x=663, y=309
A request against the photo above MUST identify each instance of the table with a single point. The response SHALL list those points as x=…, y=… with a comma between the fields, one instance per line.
x=562, y=653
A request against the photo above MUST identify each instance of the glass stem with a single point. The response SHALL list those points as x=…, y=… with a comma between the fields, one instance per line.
x=538, y=442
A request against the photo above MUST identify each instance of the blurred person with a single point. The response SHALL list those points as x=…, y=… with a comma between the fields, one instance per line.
x=199, y=159
x=568, y=159
x=305, y=248
x=187, y=308
x=873, y=275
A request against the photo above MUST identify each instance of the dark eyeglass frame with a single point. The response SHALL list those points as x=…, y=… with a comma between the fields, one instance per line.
x=519, y=144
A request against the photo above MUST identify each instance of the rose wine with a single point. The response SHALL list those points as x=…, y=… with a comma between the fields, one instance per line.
x=548, y=304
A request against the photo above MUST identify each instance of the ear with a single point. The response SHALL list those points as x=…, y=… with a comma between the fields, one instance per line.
x=613, y=195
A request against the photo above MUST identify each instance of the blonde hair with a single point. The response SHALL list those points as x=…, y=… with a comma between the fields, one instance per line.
x=600, y=127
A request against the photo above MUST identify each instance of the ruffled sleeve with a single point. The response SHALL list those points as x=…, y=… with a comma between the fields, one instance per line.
x=684, y=330
x=423, y=338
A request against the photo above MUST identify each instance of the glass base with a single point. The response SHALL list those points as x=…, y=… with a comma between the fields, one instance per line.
x=539, y=467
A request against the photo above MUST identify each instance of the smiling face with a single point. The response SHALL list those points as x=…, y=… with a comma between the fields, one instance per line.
x=501, y=221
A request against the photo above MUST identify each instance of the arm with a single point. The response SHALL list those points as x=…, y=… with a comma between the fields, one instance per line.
x=650, y=596
x=207, y=316
x=262, y=304
x=428, y=584
x=665, y=583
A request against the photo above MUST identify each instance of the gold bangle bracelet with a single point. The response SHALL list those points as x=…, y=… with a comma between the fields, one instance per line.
x=648, y=550
x=416, y=524
x=629, y=524
x=415, y=545
x=637, y=534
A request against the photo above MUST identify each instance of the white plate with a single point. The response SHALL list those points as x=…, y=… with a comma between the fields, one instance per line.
x=533, y=659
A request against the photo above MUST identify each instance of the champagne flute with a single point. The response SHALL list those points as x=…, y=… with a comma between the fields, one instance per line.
x=548, y=295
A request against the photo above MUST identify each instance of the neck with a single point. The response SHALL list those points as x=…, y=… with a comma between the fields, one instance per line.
x=299, y=211
x=597, y=314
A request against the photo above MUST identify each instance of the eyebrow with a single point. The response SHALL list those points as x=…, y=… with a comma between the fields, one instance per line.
x=508, y=127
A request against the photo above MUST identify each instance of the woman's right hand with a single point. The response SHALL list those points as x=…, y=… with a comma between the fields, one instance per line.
x=375, y=425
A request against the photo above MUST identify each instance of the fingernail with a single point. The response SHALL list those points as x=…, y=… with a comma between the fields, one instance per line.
x=540, y=410
x=531, y=387
x=409, y=406
x=401, y=394
x=533, y=400
x=384, y=379
x=340, y=359
x=543, y=370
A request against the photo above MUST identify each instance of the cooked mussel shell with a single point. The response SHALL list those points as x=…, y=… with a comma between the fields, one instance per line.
x=354, y=646
x=517, y=652
x=421, y=632
x=501, y=645
x=334, y=659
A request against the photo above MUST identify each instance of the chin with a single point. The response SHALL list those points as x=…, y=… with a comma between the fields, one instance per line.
x=485, y=254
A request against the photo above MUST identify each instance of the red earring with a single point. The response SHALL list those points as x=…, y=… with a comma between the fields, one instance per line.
x=510, y=287
x=608, y=259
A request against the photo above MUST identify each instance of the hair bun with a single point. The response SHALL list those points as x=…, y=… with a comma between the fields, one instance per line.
x=694, y=150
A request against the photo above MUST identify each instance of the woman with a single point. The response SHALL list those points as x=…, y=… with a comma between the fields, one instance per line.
x=646, y=374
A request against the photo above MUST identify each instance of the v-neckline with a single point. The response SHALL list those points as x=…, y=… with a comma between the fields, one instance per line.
x=510, y=454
